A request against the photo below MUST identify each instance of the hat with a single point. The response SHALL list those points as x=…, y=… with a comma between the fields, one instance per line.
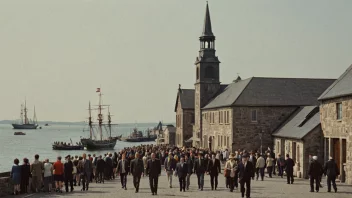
x=315, y=158
x=244, y=156
x=68, y=156
x=232, y=156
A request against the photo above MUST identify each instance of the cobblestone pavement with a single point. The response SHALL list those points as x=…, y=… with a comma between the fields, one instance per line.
x=270, y=187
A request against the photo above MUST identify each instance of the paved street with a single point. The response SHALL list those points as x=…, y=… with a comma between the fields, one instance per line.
x=274, y=187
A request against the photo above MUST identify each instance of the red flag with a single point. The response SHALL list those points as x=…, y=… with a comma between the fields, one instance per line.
x=98, y=90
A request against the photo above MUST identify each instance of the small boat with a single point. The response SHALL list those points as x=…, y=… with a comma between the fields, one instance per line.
x=19, y=133
x=67, y=147
x=46, y=124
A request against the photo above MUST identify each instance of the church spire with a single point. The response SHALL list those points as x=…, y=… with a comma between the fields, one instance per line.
x=207, y=31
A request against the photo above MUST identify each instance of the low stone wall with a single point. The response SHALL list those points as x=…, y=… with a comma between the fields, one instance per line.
x=6, y=186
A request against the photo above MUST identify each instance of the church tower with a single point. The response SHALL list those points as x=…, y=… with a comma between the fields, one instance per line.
x=207, y=74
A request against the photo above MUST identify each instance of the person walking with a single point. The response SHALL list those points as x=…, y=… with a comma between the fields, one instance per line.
x=230, y=172
x=331, y=171
x=260, y=166
x=100, y=170
x=315, y=170
x=122, y=169
x=137, y=169
x=68, y=169
x=200, y=167
x=153, y=170
x=170, y=165
x=181, y=171
x=213, y=169
x=253, y=159
x=36, y=170
x=245, y=171
x=190, y=163
x=85, y=167
x=58, y=174
x=289, y=164
x=280, y=165
x=269, y=165
x=48, y=176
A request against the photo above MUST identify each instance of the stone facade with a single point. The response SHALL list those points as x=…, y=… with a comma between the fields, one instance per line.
x=338, y=133
x=184, y=124
x=299, y=150
x=217, y=128
x=169, y=135
x=247, y=133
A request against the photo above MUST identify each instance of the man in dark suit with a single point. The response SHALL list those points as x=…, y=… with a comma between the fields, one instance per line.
x=68, y=169
x=122, y=169
x=245, y=171
x=213, y=170
x=315, y=170
x=137, y=168
x=190, y=163
x=200, y=167
x=182, y=171
x=332, y=171
x=289, y=164
x=85, y=167
x=153, y=170
x=100, y=170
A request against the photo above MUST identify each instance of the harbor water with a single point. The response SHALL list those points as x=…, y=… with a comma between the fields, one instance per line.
x=40, y=141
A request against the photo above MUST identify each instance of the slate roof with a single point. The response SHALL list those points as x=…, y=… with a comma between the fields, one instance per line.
x=341, y=87
x=302, y=122
x=260, y=91
x=187, y=98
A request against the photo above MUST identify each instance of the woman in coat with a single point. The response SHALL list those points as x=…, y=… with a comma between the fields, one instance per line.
x=25, y=175
x=16, y=176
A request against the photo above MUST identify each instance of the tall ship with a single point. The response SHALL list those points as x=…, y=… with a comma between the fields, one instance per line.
x=24, y=122
x=100, y=133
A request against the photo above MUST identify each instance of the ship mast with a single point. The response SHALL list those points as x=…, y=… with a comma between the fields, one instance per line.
x=25, y=112
x=109, y=120
x=35, y=121
x=90, y=121
x=21, y=113
x=100, y=116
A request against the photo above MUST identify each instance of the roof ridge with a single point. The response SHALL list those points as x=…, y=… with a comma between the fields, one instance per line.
x=293, y=78
x=335, y=83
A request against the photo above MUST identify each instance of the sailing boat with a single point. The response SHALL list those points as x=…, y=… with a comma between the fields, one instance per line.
x=25, y=123
x=101, y=143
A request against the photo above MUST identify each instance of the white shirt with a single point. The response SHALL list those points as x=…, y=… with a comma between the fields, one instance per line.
x=47, y=169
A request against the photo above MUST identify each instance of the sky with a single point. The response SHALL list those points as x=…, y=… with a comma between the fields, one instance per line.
x=56, y=53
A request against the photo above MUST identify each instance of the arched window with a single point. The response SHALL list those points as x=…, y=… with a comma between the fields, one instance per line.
x=210, y=72
x=197, y=73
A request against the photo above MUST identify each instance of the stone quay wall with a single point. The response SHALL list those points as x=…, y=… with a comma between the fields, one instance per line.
x=5, y=184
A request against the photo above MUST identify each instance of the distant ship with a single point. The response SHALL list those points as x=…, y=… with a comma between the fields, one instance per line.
x=100, y=128
x=137, y=136
x=25, y=123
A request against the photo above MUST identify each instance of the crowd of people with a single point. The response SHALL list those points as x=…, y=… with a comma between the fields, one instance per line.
x=240, y=168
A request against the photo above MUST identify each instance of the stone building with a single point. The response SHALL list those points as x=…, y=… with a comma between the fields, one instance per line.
x=184, y=109
x=300, y=136
x=336, y=121
x=170, y=135
x=240, y=114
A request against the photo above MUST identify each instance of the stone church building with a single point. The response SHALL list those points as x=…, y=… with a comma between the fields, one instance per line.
x=240, y=115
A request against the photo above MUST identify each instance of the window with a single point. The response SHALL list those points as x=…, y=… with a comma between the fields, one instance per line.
x=192, y=118
x=197, y=73
x=254, y=116
x=339, y=111
x=228, y=141
x=218, y=140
